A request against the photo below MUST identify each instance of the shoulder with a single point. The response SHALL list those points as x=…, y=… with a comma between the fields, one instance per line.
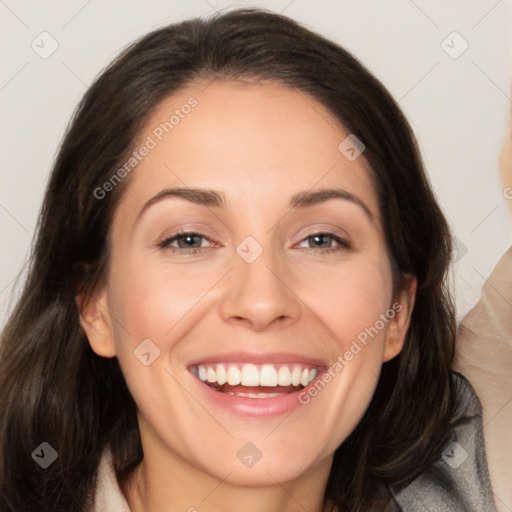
x=459, y=480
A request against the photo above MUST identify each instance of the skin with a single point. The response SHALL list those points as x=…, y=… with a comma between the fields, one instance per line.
x=506, y=168
x=257, y=143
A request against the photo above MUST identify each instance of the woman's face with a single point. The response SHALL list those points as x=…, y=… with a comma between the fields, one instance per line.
x=277, y=284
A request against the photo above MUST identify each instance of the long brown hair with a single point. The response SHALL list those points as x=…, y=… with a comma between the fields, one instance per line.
x=55, y=389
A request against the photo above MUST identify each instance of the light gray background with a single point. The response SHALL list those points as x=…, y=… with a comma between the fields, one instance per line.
x=457, y=107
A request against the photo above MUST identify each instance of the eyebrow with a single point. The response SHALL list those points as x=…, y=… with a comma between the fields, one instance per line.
x=214, y=199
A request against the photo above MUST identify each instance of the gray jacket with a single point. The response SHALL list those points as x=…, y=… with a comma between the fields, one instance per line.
x=459, y=480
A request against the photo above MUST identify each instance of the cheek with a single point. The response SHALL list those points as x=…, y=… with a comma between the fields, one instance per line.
x=149, y=300
x=354, y=305
x=156, y=302
x=350, y=299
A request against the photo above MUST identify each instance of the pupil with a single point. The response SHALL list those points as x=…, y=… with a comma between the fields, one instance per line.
x=319, y=237
x=189, y=238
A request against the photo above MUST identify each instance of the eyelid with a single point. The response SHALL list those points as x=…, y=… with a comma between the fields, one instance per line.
x=323, y=228
x=182, y=233
x=188, y=229
x=331, y=234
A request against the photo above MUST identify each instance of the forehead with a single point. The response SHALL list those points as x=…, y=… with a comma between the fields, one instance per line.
x=258, y=142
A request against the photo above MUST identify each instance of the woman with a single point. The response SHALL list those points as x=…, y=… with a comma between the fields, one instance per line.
x=254, y=370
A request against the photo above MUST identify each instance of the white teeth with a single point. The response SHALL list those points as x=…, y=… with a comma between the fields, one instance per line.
x=250, y=375
x=267, y=375
x=284, y=376
x=233, y=375
x=211, y=376
x=222, y=375
x=296, y=375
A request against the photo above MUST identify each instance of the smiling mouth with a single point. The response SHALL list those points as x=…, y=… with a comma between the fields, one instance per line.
x=255, y=381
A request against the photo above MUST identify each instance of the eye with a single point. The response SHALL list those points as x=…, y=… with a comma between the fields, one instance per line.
x=321, y=238
x=187, y=241
x=190, y=243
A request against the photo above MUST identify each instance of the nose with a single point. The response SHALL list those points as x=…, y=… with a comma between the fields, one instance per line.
x=260, y=294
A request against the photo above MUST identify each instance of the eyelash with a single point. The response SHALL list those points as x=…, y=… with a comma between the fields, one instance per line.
x=164, y=244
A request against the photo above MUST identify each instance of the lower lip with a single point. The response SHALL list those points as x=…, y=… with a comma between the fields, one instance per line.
x=254, y=407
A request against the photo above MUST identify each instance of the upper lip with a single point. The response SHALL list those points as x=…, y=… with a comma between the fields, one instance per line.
x=257, y=358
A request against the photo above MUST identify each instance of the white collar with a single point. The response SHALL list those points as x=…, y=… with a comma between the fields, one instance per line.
x=108, y=496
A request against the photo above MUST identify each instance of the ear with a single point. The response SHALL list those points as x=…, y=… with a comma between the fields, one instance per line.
x=402, y=306
x=95, y=321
